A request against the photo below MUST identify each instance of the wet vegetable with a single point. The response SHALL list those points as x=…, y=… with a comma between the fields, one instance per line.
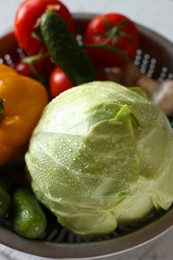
x=101, y=156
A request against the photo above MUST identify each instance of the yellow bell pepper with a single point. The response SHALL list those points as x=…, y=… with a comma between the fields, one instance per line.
x=22, y=101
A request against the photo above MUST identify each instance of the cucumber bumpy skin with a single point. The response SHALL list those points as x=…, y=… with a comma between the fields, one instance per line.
x=5, y=202
x=28, y=218
x=64, y=49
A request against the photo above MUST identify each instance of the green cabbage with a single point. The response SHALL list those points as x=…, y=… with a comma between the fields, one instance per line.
x=101, y=155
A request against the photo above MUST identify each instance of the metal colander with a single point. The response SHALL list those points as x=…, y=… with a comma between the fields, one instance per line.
x=155, y=59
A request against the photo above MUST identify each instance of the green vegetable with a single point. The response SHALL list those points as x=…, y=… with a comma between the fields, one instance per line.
x=64, y=49
x=28, y=218
x=5, y=201
x=100, y=156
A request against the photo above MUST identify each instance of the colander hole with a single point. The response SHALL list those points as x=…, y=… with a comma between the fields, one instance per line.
x=21, y=53
x=138, y=57
x=163, y=74
x=170, y=76
x=52, y=235
x=79, y=39
x=8, y=60
x=61, y=235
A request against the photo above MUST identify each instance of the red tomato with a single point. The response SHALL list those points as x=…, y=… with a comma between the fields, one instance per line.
x=23, y=69
x=26, y=18
x=59, y=82
x=47, y=66
x=122, y=37
x=43, y=67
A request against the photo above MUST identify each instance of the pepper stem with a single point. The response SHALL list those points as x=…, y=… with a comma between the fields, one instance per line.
x=1, y=108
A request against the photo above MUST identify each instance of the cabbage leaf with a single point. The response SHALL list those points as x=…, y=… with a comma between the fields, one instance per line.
x=100, y=156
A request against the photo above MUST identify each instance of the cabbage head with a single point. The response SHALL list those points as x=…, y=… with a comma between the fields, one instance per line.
x=101, y=155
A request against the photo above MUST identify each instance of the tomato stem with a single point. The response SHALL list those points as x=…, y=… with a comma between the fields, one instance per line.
x=113, y=33
x=31, y=60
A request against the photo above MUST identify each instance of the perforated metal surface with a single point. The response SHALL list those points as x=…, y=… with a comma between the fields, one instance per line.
x=148, y=64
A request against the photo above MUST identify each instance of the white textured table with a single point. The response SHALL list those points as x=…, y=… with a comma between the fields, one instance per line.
x=154, y=14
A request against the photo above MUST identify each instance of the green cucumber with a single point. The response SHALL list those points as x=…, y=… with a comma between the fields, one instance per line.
x=28, y=217
x=5, y=202
x=64, y=49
